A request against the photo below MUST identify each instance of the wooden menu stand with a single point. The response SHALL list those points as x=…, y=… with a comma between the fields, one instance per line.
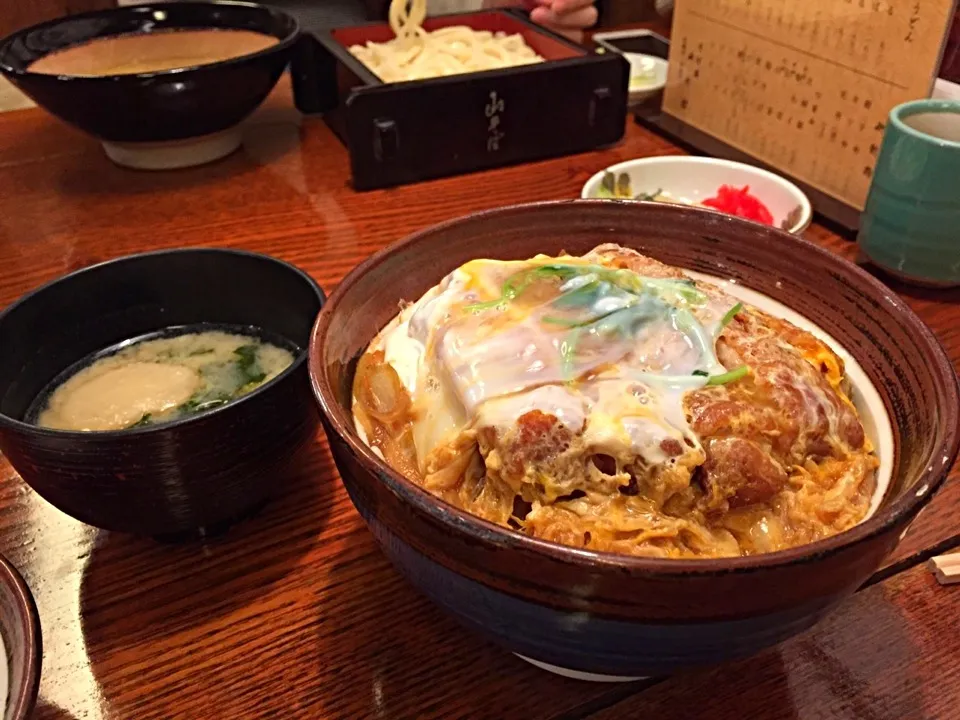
x=803, y=89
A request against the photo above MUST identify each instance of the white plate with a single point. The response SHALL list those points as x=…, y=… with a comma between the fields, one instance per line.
x=694, y=179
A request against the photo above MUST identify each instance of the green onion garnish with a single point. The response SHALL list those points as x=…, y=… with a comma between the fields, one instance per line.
x=728, y=377
x=608, y=302
x=568, y=353
x=488, y=305
x=608, y=185
x=648, y=195
x=562, y=322
x=730, y=315
x=514, y=285
x=672, y=290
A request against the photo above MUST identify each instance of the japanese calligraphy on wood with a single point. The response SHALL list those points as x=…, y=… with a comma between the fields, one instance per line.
x=804, y=87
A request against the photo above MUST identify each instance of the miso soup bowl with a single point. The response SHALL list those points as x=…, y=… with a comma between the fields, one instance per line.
x=193, y=476
x=164, y=119
x=601, y=615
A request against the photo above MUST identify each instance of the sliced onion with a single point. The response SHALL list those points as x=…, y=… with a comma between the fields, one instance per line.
x=449, y=476
x=379, y=390
x=402, y=454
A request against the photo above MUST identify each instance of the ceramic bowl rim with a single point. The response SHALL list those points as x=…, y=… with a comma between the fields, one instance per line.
x=648, y=90
x=901, y=112
x=107, y=435
x=33, y=638
x=283, y=44
x=487, y=533
x=802, y=224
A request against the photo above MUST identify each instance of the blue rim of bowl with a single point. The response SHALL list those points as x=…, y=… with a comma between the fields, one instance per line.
x=283, y=43
x=483, y=531
x=928, y=105
x=301, y=358
x=32, y=632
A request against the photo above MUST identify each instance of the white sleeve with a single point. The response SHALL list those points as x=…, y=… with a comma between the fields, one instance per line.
x=445, y=7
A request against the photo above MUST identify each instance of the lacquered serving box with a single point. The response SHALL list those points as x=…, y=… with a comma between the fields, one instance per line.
x=404, y=132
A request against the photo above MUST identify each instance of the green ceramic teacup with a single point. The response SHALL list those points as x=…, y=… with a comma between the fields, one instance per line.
x=911, y=224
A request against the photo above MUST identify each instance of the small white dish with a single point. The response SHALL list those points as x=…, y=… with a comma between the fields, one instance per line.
x=945, y=90
x=648, y=75
x=692, y=180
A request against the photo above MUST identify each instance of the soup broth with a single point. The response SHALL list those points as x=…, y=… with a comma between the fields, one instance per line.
x=152, y=52
x=160, y=380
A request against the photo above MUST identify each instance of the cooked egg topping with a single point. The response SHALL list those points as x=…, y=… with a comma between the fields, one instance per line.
x=607, y=352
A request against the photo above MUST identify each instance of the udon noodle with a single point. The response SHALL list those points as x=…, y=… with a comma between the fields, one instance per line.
x=416, y=54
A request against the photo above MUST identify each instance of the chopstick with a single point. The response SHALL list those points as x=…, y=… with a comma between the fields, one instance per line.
x=946, y=568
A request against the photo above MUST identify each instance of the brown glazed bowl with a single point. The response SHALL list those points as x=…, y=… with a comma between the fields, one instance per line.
x=587, y=613
x=190, y=477
x=20, y=630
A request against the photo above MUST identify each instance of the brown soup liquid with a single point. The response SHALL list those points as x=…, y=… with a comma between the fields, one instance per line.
x=151, y=52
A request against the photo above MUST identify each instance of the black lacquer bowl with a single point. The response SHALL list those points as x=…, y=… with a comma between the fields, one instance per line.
x=192, y=476
x=164, y=119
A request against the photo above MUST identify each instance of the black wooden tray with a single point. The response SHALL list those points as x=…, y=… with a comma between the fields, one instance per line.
x=404, y=132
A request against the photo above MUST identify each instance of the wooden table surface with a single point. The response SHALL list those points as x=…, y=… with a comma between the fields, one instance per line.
x=296, y=613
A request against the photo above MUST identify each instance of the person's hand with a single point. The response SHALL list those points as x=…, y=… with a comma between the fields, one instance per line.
x=567, y=17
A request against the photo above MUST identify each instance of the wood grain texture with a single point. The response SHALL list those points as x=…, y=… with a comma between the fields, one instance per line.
x=296, y=613
x=887, y=654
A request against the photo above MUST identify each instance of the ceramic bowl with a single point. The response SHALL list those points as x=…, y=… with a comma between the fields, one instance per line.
x=20, y=630
x=648, y=76
x=156, y=120
x=194, y=476
x=694, y=179
x=598, y=614
x=913, y=201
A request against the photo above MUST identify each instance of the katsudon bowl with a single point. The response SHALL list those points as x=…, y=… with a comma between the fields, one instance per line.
x=199, y=472
x=600, y=615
